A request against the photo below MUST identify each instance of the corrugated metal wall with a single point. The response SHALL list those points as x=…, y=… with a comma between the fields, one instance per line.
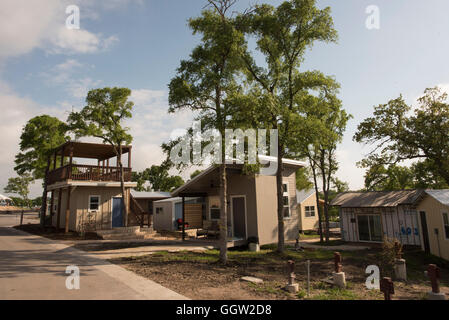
x=400, y=223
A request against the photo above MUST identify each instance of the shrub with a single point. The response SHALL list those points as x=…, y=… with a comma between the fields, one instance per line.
x=391, y=250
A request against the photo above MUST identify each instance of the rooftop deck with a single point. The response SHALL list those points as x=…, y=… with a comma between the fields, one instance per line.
x=81, y=172
x=101, y=172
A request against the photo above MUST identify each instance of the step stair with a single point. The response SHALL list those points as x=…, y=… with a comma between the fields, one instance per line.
x=127, y=233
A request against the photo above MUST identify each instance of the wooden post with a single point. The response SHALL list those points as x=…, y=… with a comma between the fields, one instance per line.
x=58, y=218
x=67, y=212
x=55, y=155
x=70, y=163
x=52, y=203
x=183, y=219
x=129, y=158
x=21, y=218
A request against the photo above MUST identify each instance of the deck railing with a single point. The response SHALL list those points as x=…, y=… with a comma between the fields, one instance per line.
x=81, y=172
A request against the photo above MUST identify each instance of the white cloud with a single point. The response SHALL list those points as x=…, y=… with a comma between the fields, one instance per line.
x=151, y=125
x=29, y=24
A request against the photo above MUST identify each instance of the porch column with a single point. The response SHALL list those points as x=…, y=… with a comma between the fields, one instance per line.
x=62, y=156
x=52, y=203
x=183, y=219
x=67, y=212
x=58, y=218
x=55, y=155
x=70, y=163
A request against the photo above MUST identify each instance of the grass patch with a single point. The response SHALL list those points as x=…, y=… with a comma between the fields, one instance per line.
x=336, y=294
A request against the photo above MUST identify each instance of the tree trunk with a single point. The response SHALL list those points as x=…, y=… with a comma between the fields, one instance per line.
x=122, y=185
x=326, y=211
x=281, y=235
x=223, y=215
x=315, y=181
x=44, y=195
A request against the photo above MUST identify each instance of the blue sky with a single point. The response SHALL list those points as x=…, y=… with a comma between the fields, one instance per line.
x=45, y=68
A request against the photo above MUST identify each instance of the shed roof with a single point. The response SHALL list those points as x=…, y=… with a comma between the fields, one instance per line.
x=150, y=195
x=302, y=195
x=376, y=198
x=2, y=197
x=441, y=196
x=89, y=150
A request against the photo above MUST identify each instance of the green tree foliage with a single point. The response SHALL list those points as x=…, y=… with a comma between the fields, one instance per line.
x=40, y=136
x=283, y=34
x=195, y=173
x=205, y=81
x=21, y=186
x=395, y=177
x=303, y=179
x=320, y=128
x=400, y=132
x=103, y=118
x=158, y=179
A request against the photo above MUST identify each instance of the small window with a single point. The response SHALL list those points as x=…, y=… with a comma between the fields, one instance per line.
x=159, y=210
x=286, y=201
x=446, y=224
x=94, y=203
x=215, y=213
x=310, y=211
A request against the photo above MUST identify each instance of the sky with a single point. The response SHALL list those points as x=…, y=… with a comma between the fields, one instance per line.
x=46, y=68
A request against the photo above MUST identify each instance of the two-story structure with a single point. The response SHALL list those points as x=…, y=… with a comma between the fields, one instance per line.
x=88, y=197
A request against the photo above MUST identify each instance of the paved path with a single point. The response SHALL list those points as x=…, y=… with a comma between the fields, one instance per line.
x=312, y=243
x=33, y=267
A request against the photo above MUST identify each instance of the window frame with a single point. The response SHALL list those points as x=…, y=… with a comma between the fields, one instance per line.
x=286, y=194
x=90, y=202
x=446, y=236
x=210, y=213
x=308, y=211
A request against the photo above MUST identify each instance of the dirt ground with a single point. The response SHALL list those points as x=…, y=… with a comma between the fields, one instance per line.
x=51, y=233
x=200, y=276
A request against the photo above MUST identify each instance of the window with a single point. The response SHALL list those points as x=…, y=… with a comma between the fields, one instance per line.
x=310, y=211
x=159, y=210
x=94, y=203
x=286, y=201
x=215, y=213
x=446, y=224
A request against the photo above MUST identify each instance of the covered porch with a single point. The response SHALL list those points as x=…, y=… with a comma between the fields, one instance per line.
x=207, y=186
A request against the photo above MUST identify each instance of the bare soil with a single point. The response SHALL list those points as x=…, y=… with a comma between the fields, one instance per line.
x=200, y=275
x=53, y=234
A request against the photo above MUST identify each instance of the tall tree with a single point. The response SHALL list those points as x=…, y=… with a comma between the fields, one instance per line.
x=40, y=136
x=21, y=186
x=103, y=118
x=159, y=179
x=323, y=124
x=283, y=34
x=203, y=83
x=399, y=134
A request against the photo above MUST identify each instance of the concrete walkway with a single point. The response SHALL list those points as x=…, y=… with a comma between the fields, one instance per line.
x=138, y=248
x=312, y=243
x=33, y=267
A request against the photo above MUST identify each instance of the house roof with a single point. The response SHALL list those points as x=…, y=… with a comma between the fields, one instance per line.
x=211, y=169
x=89, y=150
x=302, y=195
x=175, y=199
x=441, y=196
x=150, y=195
x=376, y=199
x=2, y=197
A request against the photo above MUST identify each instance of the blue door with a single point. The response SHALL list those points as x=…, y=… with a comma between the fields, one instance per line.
x=117, y=212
